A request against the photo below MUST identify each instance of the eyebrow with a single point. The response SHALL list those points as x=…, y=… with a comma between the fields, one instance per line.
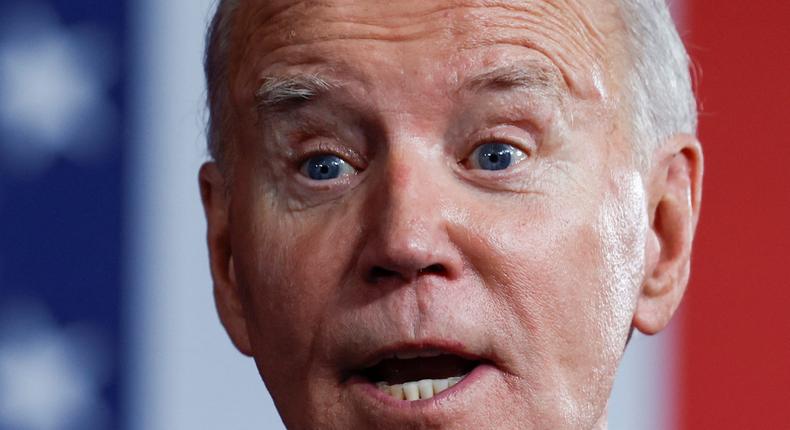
x=278, y=92
x=534, y=77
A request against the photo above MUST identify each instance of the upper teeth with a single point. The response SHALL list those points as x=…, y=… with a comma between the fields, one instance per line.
x=420, y=390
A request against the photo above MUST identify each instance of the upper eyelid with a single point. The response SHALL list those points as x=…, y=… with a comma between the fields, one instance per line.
x=345, y=162
x=499, y=136
x=348, y=155
x=477, y=148
x=311, y=138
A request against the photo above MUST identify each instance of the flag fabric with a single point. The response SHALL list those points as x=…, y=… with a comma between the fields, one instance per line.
x=61, y=200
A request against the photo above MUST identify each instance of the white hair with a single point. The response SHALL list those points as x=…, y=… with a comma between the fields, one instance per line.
x=658, y=92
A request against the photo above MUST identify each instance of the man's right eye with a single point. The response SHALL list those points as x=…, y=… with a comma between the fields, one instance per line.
x=326, y=167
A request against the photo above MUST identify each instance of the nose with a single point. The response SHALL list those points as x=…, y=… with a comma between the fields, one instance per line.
x=406, y=235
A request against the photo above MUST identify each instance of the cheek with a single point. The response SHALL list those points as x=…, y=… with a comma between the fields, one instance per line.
x=545, y=267
x=563, y=273
x=292, y=273
x=622, y=227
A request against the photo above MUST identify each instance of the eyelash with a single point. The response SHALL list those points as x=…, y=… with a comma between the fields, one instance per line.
x=493, y=137
x=324, y=148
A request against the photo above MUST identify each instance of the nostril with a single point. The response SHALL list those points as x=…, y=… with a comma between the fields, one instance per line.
x=433, y=269
x=378, y=272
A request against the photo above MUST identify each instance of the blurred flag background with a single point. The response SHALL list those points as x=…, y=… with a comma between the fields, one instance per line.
x=106, y=313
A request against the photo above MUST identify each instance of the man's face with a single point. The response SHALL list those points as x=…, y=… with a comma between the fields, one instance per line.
x=455, y=185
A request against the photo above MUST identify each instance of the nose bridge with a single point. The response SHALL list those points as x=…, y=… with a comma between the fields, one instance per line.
x=406, y=230
x=407, y=189
x=408, y=200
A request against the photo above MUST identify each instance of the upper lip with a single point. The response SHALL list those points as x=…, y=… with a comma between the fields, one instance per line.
x=427, y=347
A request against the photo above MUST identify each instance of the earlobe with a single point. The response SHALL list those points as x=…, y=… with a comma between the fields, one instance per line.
x=231, y=311
x=227, y=295
x=674, y=187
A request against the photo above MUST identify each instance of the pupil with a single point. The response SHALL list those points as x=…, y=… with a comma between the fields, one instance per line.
x=324, y=167
x=495, y=156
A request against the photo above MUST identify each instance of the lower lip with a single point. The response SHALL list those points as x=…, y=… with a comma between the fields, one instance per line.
x=370, y=391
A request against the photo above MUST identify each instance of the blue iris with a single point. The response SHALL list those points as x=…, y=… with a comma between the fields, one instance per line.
x=323, y=167
x=494, y=156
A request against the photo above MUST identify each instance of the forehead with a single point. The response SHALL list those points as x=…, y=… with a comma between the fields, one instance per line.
x=578, y=37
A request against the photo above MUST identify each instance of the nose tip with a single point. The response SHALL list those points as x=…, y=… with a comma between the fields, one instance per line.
x=401, y=251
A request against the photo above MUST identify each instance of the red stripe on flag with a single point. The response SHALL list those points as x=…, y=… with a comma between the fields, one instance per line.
x=736, y=343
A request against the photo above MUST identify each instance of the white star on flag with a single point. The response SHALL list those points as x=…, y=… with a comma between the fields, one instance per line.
x=50, y=378
x=54, y=83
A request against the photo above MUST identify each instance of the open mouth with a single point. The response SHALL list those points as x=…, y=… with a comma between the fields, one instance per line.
x=418, y=375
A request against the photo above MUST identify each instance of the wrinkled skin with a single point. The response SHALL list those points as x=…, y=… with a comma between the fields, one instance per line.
x=543, y=268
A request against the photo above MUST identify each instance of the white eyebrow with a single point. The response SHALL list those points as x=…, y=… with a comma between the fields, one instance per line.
x=535, y=77
x=277, y=91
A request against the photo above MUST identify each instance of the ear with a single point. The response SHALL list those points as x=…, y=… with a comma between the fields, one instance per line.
x=674, y=188
x=227, y=295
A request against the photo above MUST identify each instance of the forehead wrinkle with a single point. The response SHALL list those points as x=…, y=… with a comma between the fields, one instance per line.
x=562, y=30
x=247, y=25
x=542, y=27
x=315, y=27
x=592, y=33
x=580, y=24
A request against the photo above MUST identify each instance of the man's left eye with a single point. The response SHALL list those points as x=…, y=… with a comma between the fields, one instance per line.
x=495, y=156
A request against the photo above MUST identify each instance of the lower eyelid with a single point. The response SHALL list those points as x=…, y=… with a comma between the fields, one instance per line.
x=311, y=186
x=319, y=146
